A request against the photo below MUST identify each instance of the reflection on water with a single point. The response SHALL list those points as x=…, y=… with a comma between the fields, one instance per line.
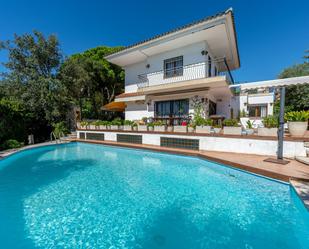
x=90, y=196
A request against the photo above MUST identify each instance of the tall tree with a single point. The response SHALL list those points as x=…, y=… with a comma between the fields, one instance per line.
x=297, y=97
x=30, y=79
x=91, y=80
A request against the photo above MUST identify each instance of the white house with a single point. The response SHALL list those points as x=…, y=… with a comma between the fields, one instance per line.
x=165, y=76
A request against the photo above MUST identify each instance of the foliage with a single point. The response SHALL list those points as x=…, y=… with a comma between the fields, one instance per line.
x=249, y=124
x=38, y=87
x=128, y=122
x=270, y=122
x=297, y=97
x=158, y=123
x=243, y=114
x=116, y=121
x=91, y=80
x=203, y=122
x=84, y=123
x=12, y=144
x=230, y=122
x=59, y=129
x=30, y=83
x=297, y=116
x=13, y=121
x=150, y=124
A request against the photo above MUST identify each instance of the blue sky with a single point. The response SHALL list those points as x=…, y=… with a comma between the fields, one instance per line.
x=272, y=35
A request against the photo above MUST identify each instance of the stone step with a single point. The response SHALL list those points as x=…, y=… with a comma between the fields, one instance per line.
x=302, y=159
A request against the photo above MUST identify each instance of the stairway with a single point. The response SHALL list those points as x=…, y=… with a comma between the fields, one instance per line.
x=72, y=135
x=304, y=159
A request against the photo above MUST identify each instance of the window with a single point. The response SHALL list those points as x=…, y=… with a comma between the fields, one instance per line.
x=165, y=109
x=173, y=67
x=209, y=66
x=257, y=110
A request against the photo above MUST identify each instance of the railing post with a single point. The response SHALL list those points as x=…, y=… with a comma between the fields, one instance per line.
x=228, y=70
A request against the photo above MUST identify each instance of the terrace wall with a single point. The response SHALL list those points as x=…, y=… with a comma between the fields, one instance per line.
x=236, y=144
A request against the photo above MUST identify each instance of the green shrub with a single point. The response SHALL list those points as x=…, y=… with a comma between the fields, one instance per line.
x=12, y=144
x=270, y=122
x=116, y=121
x=150, y=125
x=60, y=128
x=249, y=124
x=203, y=122
x=230, y=122
x=84, y=123
x=96, y=123
x=128, y=122
x=158, y=123
x=297, y=116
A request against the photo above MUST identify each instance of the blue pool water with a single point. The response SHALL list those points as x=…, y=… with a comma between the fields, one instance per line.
x=92, y=196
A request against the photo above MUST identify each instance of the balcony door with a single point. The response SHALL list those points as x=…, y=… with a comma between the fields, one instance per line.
x=173, y=67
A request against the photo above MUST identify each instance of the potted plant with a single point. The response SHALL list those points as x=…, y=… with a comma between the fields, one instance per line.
x=127, y=125
x=159, y=126
x=191, y=128
x=170, y=128
x=203, y=125
x=116, y=124
x=134, y=126
x=217, y=129
x=270, y=127
x=249, y=129
x=141, y=126
x=84, y=124
x=231, y=127
x=92, y=125
x=297, y=122
x=108, y=125
x=150, y=126
x=181, y=128
x=99, y=125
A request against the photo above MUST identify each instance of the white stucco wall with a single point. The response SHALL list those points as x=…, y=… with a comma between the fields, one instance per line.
x=191, y=55
x=223, y=144
x=136, y=111
x=256, y=99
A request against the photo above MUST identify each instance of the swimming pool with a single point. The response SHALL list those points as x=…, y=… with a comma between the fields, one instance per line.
x=92, y=196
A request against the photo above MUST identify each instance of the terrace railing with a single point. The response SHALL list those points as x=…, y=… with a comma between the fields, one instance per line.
x=183, y=73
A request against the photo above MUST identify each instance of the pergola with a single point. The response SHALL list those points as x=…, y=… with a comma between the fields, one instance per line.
x=279, y=84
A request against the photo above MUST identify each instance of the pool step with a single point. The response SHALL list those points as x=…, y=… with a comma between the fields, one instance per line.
x=302, y=190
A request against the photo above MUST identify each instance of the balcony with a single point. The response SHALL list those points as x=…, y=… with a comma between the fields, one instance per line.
x=184, y=73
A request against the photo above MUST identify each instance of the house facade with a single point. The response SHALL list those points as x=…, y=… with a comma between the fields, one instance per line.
x=167, y=77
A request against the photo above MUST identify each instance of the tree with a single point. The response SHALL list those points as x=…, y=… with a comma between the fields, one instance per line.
x=30, y=79
x=297, y=97
x=92, y=81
